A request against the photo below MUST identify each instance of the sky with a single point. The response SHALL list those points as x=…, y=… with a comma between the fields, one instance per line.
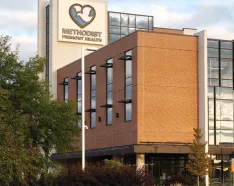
x=19, y=18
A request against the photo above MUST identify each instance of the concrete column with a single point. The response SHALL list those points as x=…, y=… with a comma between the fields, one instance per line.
x=140, y=161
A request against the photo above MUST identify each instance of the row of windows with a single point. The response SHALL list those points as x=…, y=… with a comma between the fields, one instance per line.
x=109, y=91
x=121, y=24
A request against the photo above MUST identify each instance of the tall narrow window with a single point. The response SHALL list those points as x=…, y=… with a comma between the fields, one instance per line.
x=128, y=86
x=93, y=97
x=47, y=42
x=65, y=90
x=109, y=98
x=79, y=96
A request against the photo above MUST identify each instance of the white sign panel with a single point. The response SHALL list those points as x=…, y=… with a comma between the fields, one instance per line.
x=82, y=21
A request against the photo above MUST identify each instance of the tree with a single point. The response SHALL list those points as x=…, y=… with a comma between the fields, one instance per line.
x=32, y=124
x=198, y=160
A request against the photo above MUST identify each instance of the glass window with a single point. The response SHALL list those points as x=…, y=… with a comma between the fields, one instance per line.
x=93, y=119
x=211, y=137
x=226, y=83
x=213, y=44
x=124, y=30
x=131, y=30
x=114, y=19
x=151, y=24
x=211, y=92
x=213, y=82
x=227, y=125
x=132, y=21
x=79, y=94
x=109, y=116
x=66, y=89
x=93, y=98
x=213, y=68
x=114, y=30
x=128, y=64
x=227, y=45
x=124, y=19
x=224, y=93
x=226, y=53
x=142, y=22
x=211, y=124
x=211, y=109
x=226, y=69
x=128, y=112
x=109, y=75
x=114, y=37
x=226, y=136
x=128, y=92
x=128, y=87
x=213, y=52
x=79, y=123
x=109, y=98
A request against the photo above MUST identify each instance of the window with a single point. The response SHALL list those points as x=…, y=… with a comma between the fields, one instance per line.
x=93, y=97
x=220, y=63
x=128, y=87
x=79, y=96
x=66, y=90
x=109, y=99
x=47, y=42
x=122, y=24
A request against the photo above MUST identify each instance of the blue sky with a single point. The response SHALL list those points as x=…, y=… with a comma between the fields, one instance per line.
x=19, y=18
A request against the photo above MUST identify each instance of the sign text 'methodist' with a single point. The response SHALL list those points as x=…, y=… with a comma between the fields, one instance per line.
x=82, y=35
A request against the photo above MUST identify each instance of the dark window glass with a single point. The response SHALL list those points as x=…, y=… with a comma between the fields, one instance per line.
x=226, y=53
x=114, y=19
x=114, y=30
x=66, y=89
x=124, y=19
x=213, y=44
x=213, y=52
x=227, y=45
x=93, y=98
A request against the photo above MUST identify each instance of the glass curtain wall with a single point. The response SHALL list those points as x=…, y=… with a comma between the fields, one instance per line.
x=122, y=24
x=220, y=95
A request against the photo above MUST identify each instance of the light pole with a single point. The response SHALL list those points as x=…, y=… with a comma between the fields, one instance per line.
x=83, y=127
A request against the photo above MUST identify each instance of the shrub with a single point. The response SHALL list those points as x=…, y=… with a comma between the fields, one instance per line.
x=105, y=175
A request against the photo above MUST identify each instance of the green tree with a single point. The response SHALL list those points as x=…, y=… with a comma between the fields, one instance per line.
x=198, y=160
x=32, y=124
